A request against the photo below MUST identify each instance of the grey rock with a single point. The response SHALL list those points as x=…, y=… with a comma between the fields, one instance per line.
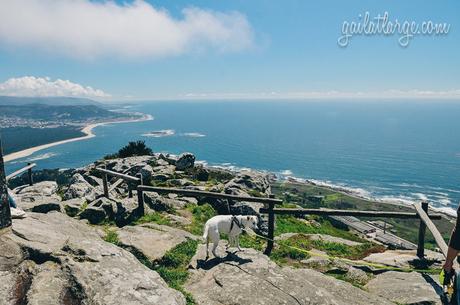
x=251, y=278
x=357, y=275
x=73, y=206
x=93, y=214
x=97, y=272
x=38, y=203
x=178, y=220
x=406, y=288
x=404, y=258
x=180, y=182
x=151, y=240
x=44, y=188
x=160, y=203
x=80, y=188
x=185, y=161
x=321, y=237
x=48, y=285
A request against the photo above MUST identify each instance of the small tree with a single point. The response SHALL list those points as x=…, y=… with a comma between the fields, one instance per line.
x=135, y=148
x=5, y=213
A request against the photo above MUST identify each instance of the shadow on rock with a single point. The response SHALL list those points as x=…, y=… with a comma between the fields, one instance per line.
x=231, y=257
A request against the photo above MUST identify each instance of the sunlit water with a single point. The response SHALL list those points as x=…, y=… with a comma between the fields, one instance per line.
x=400, y=151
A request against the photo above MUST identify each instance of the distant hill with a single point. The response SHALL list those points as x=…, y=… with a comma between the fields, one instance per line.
x=55, y=101
x=53, y=113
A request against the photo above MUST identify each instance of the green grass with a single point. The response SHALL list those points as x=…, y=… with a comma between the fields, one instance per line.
x=200, y=214
x=111, y=235
x=405, y=228
x=286, y=253
x=84, y=206
x=290, y=224
x=172, y=267
x=155, y=217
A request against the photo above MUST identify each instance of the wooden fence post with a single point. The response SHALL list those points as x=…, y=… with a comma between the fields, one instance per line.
x=140, y=196
x=271, y=229
x=105, y=183
x=421, y=233
x=29, y=173
x=5, y=213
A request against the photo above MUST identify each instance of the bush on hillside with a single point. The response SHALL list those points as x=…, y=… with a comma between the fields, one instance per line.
x=135, y=148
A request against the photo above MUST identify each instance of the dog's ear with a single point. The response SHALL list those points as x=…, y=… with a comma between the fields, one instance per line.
x=248, y=217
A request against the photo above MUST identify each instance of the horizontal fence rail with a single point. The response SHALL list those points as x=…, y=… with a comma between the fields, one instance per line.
x=195, y=193
x=357, y=213
x=119, y=175
x=27, y=169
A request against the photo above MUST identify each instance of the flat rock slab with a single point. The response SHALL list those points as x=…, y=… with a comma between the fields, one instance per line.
x=406, y=288
x=403, y=258
x=98, y=272
x=321, y=237
x=152, y=240
x=251, y=278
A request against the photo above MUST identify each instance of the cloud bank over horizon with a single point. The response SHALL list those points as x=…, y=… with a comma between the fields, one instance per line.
x=86, y=29
x=31, y=86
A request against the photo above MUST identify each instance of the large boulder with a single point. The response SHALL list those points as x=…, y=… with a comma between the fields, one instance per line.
x=80, y=188
x=406, y=259
x=44, y=188
x=249, y=181
x=251, y=278
x=185, y=161
x=41, y=197
x=406, y=288
x=74, y=265
x=150, y=240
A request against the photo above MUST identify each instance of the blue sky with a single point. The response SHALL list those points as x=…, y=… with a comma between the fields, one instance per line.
x=274, y=48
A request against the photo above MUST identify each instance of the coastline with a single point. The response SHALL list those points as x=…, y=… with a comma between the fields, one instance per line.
x=87, y=130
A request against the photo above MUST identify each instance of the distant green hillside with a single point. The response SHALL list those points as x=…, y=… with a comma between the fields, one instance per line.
x=52, y=113
x=56, y=101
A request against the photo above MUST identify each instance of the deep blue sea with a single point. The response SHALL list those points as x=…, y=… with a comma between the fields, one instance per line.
x=393, y=151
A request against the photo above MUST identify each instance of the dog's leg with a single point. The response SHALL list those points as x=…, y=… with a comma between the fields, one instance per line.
x=207, y=248
x=238, y=242
x=214, y=247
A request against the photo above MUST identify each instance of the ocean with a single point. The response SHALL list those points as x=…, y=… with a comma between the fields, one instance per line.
x=395, y=151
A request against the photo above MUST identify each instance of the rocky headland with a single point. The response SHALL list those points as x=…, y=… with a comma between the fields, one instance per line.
x=77, y=247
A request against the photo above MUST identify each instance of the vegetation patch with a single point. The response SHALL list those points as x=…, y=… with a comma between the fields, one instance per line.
x=155, y=217
x=290, y=250
x=173, y=267
x=200, y=214
x=314, y=225
x=111, y=235
x=135, y=148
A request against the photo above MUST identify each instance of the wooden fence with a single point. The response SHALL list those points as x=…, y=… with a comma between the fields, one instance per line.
x=27, y=169
x=420, y=212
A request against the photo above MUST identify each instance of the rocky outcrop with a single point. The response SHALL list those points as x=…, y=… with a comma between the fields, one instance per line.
x=39, y=198
x=54, y=259
x=250, y=278
x=406, y=288
x=320, y=237
x=185, y=161
x=151, y=241
x=406, y=259
x=80, y=188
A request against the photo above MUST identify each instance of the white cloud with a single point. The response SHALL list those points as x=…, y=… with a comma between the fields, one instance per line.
x=39, y=86
x=83, y=28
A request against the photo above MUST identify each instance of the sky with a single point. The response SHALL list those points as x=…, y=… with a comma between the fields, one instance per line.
x=226, y=49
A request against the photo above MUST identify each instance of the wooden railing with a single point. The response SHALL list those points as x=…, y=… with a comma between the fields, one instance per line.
x=425, y=221
x=123, y=177
x=27, y=169
x=421, y=210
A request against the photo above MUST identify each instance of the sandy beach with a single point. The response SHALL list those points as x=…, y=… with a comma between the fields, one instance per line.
x=87, y=130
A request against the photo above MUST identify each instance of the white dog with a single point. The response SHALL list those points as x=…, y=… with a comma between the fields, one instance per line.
x=231, y=225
